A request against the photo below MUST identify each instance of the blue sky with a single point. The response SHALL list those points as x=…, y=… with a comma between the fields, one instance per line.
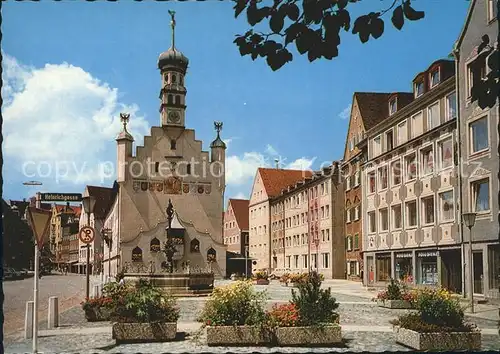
x=71, y=67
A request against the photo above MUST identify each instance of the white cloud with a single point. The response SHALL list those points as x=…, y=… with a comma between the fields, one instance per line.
x=240, y=195
x=301, y=164
x=346, y=113
x=60, y=115
x=240, y=170
x=271, y=150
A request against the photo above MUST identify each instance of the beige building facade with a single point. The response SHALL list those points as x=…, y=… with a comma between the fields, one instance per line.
x=410, y=186
x=171, y=165
x=307, y=225
x=268, y=183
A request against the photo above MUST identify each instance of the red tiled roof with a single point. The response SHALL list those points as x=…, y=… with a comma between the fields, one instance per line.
x=240, y=210
x=275, y=180
x=104, y=200
x=72, y=208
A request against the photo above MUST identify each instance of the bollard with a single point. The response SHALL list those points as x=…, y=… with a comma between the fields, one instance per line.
x=53, y=316
x=28, y=320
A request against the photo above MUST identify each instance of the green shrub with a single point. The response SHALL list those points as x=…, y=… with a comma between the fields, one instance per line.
x=439, y=308
x=235, y=304
x=394, y=291
x=315, y=305
x=143, y=303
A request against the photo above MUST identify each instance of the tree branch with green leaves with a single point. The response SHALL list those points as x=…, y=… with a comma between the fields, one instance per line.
x=314, y=26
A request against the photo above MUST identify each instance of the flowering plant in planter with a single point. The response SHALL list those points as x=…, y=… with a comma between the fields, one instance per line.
x=144, y=303
x=284, y=315
x=285, y=278
x=437, y=311
x=236, y=304
x=97, y=309
x=261, y=275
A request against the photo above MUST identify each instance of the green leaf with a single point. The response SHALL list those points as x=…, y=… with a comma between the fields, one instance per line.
x=398, y=18
x=293, y=31
x=377, y=27
x=410, y=13
x=341, y=4
x=239, y=7
x=277, y=21
x=292, y=12
x=344, y=19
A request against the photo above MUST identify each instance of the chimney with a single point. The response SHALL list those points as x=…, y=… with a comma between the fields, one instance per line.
x=277, y=162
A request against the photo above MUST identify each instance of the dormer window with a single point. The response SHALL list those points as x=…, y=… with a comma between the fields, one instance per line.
x=392, y=106
x=419, y=88
x=435, y=77
x=172, y=144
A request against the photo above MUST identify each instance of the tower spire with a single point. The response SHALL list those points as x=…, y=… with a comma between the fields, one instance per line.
x=172, y=24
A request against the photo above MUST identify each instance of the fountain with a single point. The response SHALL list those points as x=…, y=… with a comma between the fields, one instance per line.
x=188, y=281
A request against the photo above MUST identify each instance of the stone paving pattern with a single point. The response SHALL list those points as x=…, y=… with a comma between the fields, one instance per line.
x=355, y=312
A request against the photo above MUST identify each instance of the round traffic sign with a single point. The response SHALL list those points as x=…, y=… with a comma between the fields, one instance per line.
x=87, y=234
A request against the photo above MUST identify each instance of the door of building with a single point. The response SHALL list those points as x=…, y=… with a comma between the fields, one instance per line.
x=477, y=264
x=370, y=269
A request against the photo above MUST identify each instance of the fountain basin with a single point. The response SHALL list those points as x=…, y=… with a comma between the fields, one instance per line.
x=178, y=284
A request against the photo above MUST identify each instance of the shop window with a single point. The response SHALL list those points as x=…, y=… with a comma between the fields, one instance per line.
x=427, y=268
x=404, y=267
x=383, y=267
x=494, y=266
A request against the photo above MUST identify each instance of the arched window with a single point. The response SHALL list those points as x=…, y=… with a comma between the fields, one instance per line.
x=211, y=255
x=195, y=246
x=170, y=99
x=173, y=144
x=137, y=255
x=356, y=241
x=154, y=245
x=181, y=80
x=177, y=99
x=174, y=78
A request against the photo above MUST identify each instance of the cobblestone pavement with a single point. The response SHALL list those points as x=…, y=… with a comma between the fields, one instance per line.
x=69, y=289
x=366, y=327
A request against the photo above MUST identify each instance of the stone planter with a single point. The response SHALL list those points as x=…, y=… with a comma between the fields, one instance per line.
x=144, y=332
x=291, y=284
x=97, y=314
x=284, y=284
x=236, y=336
x=395, y=304
x=262, y=282
x=452, y=341
x=309, y=336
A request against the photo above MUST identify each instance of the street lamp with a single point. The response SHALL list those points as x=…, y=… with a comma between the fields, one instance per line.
x=469, y=221
x=88, y=206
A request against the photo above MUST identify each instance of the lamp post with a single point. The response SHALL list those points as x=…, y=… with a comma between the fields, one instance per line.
x=246, y=262
x=169, y=247
x=469, y=220
x=88, y=206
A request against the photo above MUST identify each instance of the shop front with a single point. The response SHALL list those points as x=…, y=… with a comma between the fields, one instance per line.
x=404, y=267
x=383, y=267
x=427, y=268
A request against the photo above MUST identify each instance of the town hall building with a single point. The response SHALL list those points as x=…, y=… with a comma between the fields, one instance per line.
x=171, y=166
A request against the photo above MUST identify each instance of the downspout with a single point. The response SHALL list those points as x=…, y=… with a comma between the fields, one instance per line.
x=456, y=54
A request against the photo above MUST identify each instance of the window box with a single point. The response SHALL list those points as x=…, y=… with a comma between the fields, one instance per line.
x=144, y=332
x=439, y=341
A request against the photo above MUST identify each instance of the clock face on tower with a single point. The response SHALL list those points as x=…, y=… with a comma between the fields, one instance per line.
x=174, y=117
